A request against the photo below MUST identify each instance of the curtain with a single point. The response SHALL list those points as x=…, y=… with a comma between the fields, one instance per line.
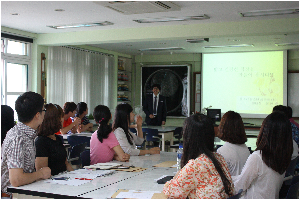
x=80, y=76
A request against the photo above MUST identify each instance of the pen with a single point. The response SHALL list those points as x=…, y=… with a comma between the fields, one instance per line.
x=85, y=179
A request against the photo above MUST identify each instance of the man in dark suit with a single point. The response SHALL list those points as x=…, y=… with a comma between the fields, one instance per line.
x=155, y=107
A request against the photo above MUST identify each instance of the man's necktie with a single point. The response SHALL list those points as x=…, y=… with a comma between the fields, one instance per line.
x=154, y=107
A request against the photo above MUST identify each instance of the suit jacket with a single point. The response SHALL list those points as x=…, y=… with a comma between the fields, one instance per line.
x=161, y=109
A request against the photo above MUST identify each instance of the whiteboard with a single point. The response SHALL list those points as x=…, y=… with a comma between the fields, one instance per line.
x=293, y=93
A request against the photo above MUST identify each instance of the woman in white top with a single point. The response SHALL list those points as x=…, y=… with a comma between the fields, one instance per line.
x=234, y=151
x=123, y=117
x=263, y=173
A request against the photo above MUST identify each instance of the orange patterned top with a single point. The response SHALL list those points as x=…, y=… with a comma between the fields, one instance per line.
x=199, y=179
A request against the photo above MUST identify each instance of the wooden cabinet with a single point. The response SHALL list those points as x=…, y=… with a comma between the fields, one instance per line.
x=124, y=80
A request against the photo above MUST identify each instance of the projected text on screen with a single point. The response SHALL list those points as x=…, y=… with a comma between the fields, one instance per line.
x=248, y=83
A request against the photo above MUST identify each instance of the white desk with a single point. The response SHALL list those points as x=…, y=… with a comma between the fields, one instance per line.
x=105, y=187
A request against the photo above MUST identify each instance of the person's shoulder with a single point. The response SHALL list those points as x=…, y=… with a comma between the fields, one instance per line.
x=119, y=130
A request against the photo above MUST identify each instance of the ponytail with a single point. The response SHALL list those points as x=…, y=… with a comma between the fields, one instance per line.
x=104, y=130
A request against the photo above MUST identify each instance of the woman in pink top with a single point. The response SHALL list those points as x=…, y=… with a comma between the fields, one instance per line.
x=104, y=146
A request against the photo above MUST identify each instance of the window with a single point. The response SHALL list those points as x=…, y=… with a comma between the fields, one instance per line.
x=15, y=65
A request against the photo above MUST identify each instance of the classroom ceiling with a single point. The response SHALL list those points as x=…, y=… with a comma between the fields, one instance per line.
x=36, y=16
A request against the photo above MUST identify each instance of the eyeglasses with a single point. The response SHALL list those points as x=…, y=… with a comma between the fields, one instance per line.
x=44, y=110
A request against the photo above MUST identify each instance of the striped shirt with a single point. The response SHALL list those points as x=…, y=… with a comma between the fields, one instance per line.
x=18, y=151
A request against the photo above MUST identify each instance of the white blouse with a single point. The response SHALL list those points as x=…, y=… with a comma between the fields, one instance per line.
x=257, y=180
x=125, y=145
x=235, y=156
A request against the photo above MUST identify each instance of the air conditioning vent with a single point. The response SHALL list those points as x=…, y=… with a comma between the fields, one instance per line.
x=139, y=7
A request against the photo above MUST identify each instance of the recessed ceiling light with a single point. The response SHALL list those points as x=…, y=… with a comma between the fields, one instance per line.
x=59, y=10
x=270, y=12
x=128, y=45
x=106, y=23
x=171, y=19
x=199, y=40
x=15, y=14
x=230, y=46
x=162, y=49
x=286, y=44
x=162, y=43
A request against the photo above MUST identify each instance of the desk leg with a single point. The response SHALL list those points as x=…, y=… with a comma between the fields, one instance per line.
x=163, y=142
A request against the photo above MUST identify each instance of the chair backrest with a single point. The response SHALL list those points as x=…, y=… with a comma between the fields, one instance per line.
x=237, y=196
x=75, y=152
x=178, y=133
x=150, y=133
x=133, y=130
x=290, y=171
x=85, y=158
x=293, y=192
x=75, y=139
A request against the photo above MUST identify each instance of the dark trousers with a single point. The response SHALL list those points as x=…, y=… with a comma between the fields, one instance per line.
x=154, y=122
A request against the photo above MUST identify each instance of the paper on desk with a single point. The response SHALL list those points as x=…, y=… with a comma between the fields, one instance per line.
x=75, y=176
x=102, y=166
x=134, y=194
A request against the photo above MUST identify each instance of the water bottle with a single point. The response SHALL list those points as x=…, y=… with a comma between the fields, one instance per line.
x=179, y=154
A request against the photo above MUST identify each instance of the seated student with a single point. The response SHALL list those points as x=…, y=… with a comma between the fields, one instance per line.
x=50, y=151
x=7, y=120
x=69, y=126
x=234, y=151
x=104, y=144
x=123, y=117
x=82, y=111
x=18, y=151
x=204, y=173
x=263, y=173
x=295, y=125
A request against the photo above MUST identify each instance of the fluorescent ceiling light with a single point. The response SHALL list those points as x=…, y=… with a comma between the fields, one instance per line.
x=171, y=19
x=270, y=12
x=230, y=46
x=286, y=44
x=106, y=23
x=162, y=49
x=197, y=40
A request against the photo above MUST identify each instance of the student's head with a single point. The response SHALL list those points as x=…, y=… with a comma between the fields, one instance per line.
x=102, y=116
x=279, y=108
x=156, y=88
x=123, y=116
x=198, y=138
x=81, y=108
x=70, y=107
x=28, y=106
x=7, y=120
x=275, y=141
x=231, y=128
x=52, y=122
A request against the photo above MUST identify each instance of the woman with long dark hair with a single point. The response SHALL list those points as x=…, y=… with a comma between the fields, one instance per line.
x=50, y=151
x=234, y=151
x=81, y=112
x=204, y=173
x=104, y=144
x=123, y=117
x=263, y=173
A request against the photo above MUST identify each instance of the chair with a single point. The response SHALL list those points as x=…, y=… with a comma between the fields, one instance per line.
x=85, y=158
x=237, y=196
x=133, y=130
x=293, y=192
x=62, y=138
x=74, y=156
x=178, y=133
x=75, y=139
x=152, y=136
